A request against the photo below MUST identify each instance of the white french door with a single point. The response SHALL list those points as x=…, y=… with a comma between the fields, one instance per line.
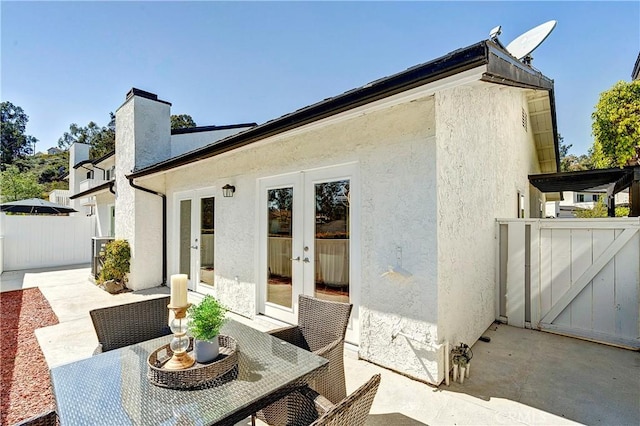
x=308, y=241
x=196, y=236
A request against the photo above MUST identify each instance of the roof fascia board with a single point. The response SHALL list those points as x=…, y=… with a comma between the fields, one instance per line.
x=210, y=128
x=91, y=191
x=554, y=124
x=104, y=157
x=429, y=89
x=505, y=69
x=580, y=181
x=82, y=163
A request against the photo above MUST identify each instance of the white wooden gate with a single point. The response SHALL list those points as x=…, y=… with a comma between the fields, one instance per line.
x=575, y=277
x=40, y=241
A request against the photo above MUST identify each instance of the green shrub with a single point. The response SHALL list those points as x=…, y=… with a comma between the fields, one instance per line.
x=600, y=210
x=116, y=262
x=206, y=318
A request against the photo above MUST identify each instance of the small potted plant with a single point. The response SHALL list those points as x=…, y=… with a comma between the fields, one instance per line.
x=205, y=320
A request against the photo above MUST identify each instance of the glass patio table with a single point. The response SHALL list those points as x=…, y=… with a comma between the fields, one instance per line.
x=113, y=388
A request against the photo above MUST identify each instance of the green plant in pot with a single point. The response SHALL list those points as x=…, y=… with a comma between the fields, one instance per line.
x=205, y=320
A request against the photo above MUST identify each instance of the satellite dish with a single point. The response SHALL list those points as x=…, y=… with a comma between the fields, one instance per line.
x=495, y=32
x=526, y=43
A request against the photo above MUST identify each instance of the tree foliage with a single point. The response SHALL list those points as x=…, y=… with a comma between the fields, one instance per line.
x=571, y=162
x=16, y=185
x=49, y=169
x=15, y=143
x=182, y=121
x=101, y=139
x=616, y=125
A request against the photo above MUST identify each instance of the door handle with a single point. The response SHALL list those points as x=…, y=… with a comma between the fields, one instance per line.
x=194, y=247
x=306, y=260
x=297, y=259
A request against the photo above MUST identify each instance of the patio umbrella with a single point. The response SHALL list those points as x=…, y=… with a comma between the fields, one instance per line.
x=35, y=206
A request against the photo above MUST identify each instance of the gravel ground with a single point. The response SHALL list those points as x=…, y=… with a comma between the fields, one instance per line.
x=25, y=386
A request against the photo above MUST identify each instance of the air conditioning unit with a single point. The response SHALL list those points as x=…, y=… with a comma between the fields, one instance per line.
x=98, y=247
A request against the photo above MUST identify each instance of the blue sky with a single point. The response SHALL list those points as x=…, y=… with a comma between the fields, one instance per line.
x=234, y=62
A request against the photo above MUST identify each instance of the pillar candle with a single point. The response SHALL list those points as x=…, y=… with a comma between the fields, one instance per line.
x=179, y=290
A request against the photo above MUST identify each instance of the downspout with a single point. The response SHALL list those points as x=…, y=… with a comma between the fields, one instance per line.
x=164, y=226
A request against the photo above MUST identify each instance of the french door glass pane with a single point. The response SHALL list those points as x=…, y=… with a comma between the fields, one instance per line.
x=185, y=237
x=332, y=241
x=207, y=240
x=279, y=284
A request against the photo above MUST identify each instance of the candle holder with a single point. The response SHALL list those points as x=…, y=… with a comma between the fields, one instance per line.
x=180, y=342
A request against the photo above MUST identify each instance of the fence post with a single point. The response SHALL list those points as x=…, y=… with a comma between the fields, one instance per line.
x=515, y=274
x=535, y=274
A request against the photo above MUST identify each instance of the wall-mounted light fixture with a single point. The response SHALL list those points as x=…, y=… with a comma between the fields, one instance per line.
x=228, y=190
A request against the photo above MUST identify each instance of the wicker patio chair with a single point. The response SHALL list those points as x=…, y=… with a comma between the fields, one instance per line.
x=47, y=418
x=310, y=408
x=321, y=328
x=123, y=325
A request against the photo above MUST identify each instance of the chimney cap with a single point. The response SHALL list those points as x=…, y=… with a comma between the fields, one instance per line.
x=144, y=94
x=137, y=92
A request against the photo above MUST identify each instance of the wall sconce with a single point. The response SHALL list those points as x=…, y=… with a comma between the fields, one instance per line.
x=228, y=190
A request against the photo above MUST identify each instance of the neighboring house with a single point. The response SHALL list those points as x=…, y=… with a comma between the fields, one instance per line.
x=573, y=201
x=92, y=182
x=53, y=150
x=60, y=196
x=386, y=195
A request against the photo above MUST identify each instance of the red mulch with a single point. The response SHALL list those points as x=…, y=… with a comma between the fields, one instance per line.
x=25, y=389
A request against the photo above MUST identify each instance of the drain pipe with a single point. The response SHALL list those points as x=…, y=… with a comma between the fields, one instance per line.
x=164, y=226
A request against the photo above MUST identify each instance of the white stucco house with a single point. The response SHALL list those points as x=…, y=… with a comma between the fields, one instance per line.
x=385, y=196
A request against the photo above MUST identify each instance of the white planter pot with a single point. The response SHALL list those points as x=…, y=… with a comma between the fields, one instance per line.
x=206, y=350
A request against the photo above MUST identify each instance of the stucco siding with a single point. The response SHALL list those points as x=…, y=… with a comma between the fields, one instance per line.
x=103, y=210
x=152, y=132
x=484, y=155
x=394, y=151
x=77, y=152
x=140, y=123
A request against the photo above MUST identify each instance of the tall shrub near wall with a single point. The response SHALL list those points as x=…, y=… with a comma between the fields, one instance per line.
x=116, y=263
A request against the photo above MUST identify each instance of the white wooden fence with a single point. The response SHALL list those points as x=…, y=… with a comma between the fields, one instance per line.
x=40, y=241
x=575, y=277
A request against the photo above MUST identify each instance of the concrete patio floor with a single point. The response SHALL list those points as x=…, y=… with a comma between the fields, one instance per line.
x=520, y=377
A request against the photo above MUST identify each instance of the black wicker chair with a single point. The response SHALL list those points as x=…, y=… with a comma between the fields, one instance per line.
x=130, y=323
x=46, y=418
x=321, y=328
x=307, y=407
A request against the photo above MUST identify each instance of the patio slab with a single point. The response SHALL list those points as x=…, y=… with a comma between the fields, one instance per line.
x=520, y=377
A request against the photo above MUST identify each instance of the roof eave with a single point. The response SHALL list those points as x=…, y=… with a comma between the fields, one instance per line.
x=501, y=68
x=92, y=191
x=452, y=63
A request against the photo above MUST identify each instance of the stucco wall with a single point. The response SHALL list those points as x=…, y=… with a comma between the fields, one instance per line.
x=139, y=214
x=104, y=201
x=433, y=176
x=395, y=153
x=189, y=141
x=484, y=155
x=77, y=152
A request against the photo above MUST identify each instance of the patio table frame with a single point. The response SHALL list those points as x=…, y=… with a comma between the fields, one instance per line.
x=113, y=387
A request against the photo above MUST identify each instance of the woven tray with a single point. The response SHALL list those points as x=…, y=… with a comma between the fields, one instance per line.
x=198, y=376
